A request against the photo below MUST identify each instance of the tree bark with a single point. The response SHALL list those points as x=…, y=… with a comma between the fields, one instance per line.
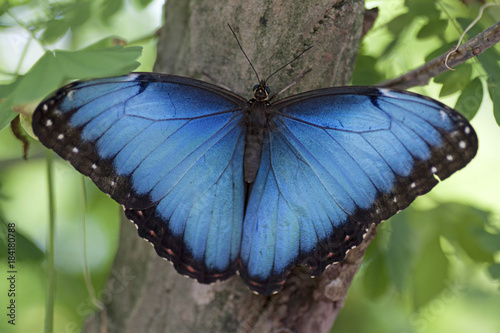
x=145, y=293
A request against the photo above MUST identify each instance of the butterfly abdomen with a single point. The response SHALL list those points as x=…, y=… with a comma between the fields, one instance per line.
x=256, y=122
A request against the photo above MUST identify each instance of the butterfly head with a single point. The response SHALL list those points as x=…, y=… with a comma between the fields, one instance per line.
x=261, y=91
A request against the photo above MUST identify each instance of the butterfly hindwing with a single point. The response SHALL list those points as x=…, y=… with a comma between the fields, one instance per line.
x=334, y=162
x=170, y=150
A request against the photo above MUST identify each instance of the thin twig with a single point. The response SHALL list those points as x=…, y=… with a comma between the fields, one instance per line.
x=473, y=23
x=422, y=75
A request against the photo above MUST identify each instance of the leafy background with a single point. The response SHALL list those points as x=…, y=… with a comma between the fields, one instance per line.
x=433, y=268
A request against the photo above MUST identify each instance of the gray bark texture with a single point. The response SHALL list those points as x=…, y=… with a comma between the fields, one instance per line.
x=144, y=293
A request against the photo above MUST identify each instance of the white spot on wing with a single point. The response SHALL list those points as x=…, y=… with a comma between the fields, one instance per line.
x=60, y=136
x=443, y=115
x=48, y=123
x=462, y=144
x=75, y=150
x=449, y=158
x=70, y=94
x=45, y=107
x=93, y=166
x=132, y=77
x=467, y=130
x=387, y=92
x=434, y=169
x=413, y=185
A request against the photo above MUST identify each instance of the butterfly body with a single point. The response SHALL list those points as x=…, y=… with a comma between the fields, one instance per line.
x=219, y=184
x=257, y=120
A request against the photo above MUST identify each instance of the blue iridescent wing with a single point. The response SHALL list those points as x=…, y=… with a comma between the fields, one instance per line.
x=334, y=162
x=167, y=148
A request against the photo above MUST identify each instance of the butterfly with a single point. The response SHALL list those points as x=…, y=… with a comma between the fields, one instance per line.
x=219, y=184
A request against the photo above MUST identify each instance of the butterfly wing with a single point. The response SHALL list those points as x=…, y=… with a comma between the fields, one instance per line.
x=167, y=148
x=334, y=162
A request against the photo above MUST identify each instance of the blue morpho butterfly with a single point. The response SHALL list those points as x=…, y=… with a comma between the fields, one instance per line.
x=219, y=184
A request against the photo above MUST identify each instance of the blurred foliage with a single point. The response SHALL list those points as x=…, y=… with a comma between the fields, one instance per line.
x=56, y=67
x=49, y=23
x=27, y=250
x=418, y=235
x=425, y=30
x=426, y=266
x=43, y=45
x=419, y=259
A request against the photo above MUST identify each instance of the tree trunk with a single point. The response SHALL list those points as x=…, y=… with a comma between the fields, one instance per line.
x=145, y=293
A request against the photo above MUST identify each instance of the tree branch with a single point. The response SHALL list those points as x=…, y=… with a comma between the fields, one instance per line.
x=422, y=75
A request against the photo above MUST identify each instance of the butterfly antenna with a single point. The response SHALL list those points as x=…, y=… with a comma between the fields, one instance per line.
x=241, y=48
x=288, y=63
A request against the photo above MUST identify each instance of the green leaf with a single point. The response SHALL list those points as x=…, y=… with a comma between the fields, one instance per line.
x=470, y=99
x=6, y=114
x=471, y=241
x=429, y=274
x=400, y=254
x=29, y=88
x=365, y=72
x=7, y=89
x=423, y=8
x=494, y=92
x=111, y=61
x=464, y=227
x=488, y=241
x=78, y=12
x=494, y=271
x=454, y=81
x=109, y=8
x=490, y=60
x=399, y=23
x=375, y=278
x=53, y=69
x=26, y=249
x=432, y=28
x=54, y=30
x=4, y=6
x=143, y=3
